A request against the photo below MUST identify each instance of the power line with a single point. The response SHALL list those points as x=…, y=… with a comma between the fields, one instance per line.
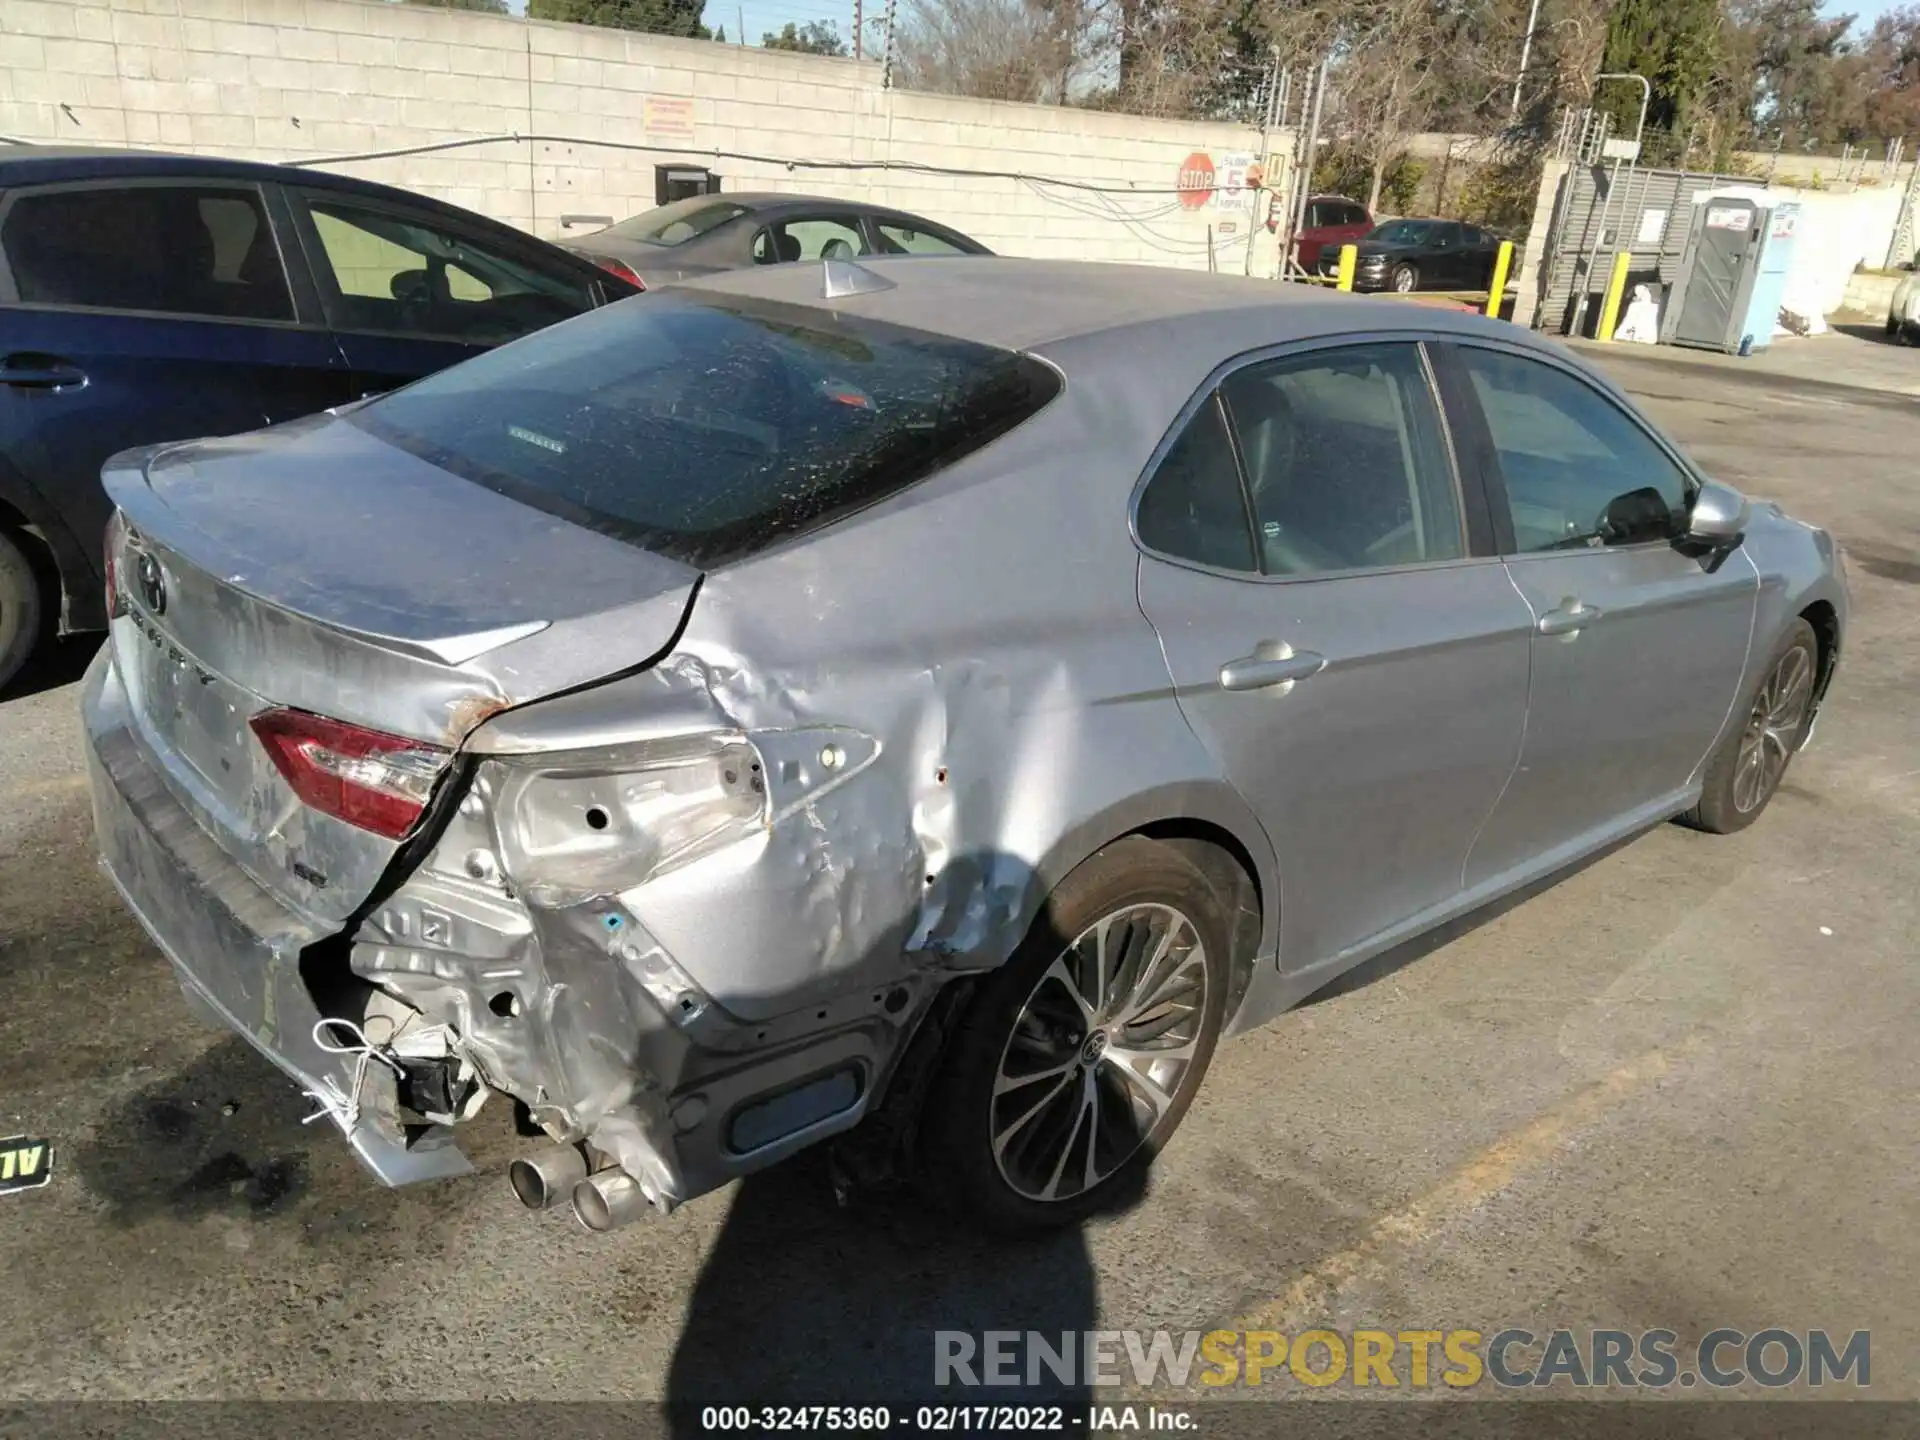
x=913, y=167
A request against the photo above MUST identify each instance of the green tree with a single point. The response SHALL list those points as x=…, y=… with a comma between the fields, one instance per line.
x=1807, y=85
x=720, y=36
x=816, y=37
x=490, y=7
x=660, y=17
x=1678, y=46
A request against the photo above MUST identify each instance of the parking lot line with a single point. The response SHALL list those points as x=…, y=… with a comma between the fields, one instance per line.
x=1471, y=1185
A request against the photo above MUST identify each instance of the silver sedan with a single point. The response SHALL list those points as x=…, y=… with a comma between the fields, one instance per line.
x=926, y=705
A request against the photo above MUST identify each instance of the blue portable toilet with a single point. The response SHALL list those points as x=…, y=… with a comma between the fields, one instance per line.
x=1778, y=224
x=1733, y=271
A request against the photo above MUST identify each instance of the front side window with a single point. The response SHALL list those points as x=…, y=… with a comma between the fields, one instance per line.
x=1579, y=471
x=898, y=239
x=1346, y=462
x=1194, y=508
x=706, y=427
x=1402, y=232
x=818, y=238
x=201, y=250
x=411, y=276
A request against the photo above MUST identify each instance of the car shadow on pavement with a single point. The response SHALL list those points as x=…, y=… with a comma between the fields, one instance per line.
x=61, y=663
x=1876, y=333
x=803, y=1300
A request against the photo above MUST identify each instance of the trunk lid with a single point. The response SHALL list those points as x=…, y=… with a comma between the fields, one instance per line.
x=316, y=568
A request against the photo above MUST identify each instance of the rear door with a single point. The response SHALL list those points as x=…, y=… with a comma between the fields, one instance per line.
x=1449, y=263
x=139, y=311
x=1355, y=656
x=1638, y=647
x=409, y=292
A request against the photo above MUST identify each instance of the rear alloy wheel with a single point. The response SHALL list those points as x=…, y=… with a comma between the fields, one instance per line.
x=1077, y=1060
x=1750, y=762
x=23, y=610
x=1405, y=279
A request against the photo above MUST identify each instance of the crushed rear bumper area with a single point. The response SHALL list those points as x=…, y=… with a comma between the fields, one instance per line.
x=236, y=950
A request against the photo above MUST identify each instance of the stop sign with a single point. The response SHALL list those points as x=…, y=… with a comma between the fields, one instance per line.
x=1195, y=182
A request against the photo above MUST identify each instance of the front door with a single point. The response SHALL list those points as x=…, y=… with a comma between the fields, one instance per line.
x=136, y=312
x=1728, y=232
x=1355, y=665
x=1638, y=647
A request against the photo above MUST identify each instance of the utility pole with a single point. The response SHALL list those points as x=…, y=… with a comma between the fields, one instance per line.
x=856, y=30
x=1526, y=51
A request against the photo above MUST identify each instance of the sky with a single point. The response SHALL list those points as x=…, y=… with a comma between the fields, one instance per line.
x=764, y=17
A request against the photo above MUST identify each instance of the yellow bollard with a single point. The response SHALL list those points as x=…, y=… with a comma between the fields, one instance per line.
x=1616, y=284
x=1497, y=289
x=1349, y=257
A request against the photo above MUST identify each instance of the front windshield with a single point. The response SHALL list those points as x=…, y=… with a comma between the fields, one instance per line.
x=679, y=222
x=1402, y=232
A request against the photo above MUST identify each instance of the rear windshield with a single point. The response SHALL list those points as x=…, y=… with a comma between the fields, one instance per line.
x=707, y=427
x=677, y=223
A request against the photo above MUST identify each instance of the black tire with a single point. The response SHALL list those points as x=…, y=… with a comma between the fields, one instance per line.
x=1405, y=279
x=1006, y=1023
x=1777, y=722
x=24, y=613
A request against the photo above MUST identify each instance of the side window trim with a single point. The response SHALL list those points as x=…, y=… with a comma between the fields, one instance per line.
x=1476, y=505
x=304, y=316
x=1472, y=422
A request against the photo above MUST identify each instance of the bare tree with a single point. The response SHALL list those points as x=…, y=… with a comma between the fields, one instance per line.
x=995, y=49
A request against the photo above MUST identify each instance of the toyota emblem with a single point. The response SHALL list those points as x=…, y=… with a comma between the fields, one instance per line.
x=153, y=584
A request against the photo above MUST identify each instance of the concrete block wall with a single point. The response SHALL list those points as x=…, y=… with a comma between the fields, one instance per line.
x=292, y=80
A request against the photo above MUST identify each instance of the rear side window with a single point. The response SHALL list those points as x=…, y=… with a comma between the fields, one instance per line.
x=200, y=250
x=1355, y=215
x=1193, y=508
x=1346, y=463
x=708, y=427
x=411, y=276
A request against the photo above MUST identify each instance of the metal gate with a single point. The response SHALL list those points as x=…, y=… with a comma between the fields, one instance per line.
x=1603, y=209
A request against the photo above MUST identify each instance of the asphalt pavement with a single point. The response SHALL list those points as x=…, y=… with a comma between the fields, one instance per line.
x=1675, y=1091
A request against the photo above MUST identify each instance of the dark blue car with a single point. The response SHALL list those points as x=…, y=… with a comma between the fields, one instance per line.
x=150, y=297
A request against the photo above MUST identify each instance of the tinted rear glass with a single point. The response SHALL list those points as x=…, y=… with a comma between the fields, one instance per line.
x=679, y=222
x=707, y=427
x=185, y=249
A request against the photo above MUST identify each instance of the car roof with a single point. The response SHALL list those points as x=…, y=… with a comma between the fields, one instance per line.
x=1035, y=304
x=46, y=164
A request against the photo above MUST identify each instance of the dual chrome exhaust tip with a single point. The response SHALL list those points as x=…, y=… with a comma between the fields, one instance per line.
x=604, y=1200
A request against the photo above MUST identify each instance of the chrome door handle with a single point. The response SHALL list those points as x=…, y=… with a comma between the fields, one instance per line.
x=1273, y=662
x=1569, y=619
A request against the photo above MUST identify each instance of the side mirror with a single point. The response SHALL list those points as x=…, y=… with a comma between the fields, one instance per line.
x=1718, y=520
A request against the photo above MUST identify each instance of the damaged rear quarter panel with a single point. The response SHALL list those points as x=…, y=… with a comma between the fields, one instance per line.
x=974, y=653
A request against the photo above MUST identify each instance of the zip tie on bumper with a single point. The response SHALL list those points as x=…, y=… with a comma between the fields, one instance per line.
x=345, y=1110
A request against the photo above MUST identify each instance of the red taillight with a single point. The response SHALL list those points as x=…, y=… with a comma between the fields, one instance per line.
x=375, y=781
x=625, y=272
